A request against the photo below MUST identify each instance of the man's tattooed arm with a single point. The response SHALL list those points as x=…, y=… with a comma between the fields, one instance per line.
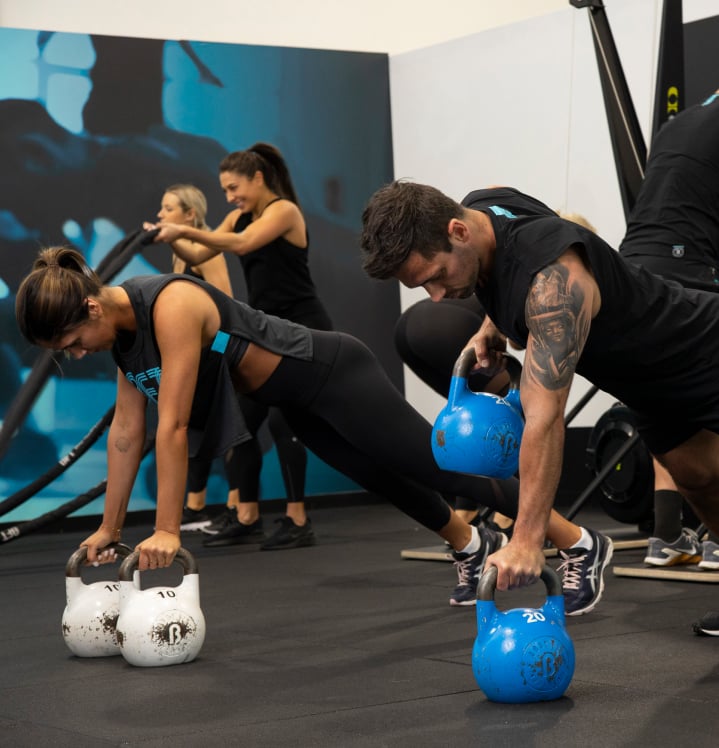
x=558, y=319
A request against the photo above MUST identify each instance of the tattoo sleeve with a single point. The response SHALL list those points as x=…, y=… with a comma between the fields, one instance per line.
x=558, y=323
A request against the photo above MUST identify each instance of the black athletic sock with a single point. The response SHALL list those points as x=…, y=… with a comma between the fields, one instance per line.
x=667, y=515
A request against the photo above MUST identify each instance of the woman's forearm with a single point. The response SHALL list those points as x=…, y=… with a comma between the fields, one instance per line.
x=124, y=453
x=171, y=452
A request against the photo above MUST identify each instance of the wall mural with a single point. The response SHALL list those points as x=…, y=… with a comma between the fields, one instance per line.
x=93, y=128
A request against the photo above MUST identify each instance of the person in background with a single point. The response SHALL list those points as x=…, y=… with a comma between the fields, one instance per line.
x=186, y=204
x=673, y=231
x=268, y=233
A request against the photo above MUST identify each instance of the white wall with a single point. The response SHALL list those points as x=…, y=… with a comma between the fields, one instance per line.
x=390, y=26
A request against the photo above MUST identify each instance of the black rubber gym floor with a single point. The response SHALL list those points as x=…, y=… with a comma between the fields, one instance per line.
x=346, y=644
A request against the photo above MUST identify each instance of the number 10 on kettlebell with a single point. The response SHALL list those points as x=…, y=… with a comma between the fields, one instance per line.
x=160, y=626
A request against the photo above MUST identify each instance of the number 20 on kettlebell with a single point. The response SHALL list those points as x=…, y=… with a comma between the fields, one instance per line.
x=524, y=654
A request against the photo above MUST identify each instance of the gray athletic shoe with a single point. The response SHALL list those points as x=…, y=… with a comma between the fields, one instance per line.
x=710, y=556
x=686, y=549
x=708, y=625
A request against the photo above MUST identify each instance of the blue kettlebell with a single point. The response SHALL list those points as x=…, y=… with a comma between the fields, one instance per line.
x=477, y=432
x=524, y=654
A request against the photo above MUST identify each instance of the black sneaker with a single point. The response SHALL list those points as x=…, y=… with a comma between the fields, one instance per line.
x=583, y=574
x=289, y=535
x=221, y=521
x=194, y=519
x=236, y=534
x=470, y=565
x=708, y=625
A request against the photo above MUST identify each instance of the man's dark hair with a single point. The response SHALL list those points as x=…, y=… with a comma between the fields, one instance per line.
x=402, y=217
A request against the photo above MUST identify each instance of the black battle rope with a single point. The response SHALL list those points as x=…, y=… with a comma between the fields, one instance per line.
x=60, y=467
x=16, y=531
x=108, y=268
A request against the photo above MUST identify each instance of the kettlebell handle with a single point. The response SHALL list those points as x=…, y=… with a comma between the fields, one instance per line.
x=183, y=556
x=488, y=583
x=79, y=557
x=468, y=358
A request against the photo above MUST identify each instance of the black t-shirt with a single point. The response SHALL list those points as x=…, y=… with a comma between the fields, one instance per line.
x=652, y=345
x=677, y=210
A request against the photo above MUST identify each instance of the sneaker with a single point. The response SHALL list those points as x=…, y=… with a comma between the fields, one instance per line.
x=708, y=625
x=236, y=534
x=194, y=519
x=710, y=555
x=289, y=535
x=583, y=574
x=221, y=521
x=470, y=565
x=686, y=549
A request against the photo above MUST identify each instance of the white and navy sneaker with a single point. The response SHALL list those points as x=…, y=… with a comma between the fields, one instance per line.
x=686, y=549
x=469, y=566
x=583, y=574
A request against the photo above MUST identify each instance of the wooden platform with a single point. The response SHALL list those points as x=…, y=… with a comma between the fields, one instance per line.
x=686, y=573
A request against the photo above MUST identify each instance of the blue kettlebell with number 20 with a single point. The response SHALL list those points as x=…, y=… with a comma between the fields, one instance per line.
x=478, y=432
x=524, y=654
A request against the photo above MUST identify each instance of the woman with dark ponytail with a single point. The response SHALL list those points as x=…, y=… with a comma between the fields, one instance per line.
x=267, y=231
x=193, y=371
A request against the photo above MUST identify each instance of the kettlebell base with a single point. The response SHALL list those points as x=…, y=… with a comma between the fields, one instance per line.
x=498, y=700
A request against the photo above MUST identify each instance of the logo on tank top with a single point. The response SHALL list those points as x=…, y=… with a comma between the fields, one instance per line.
x=144, y=382
x=501, y=211
x=678, y=250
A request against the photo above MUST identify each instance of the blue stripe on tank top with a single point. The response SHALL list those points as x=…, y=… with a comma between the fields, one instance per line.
x=219, y=344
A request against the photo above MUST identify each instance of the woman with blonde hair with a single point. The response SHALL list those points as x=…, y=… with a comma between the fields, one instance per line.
x=187, y=205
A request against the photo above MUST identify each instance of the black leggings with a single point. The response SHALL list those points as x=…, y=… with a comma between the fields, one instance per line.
x=342, y=405
x=243, y=471
x=429, y=337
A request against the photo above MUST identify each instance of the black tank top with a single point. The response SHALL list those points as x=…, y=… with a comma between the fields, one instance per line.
x=279, y=282
x=677, y=210
x=216, y=421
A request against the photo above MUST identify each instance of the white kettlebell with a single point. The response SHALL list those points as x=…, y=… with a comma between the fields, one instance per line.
x=160, y=625
x=90, y=616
